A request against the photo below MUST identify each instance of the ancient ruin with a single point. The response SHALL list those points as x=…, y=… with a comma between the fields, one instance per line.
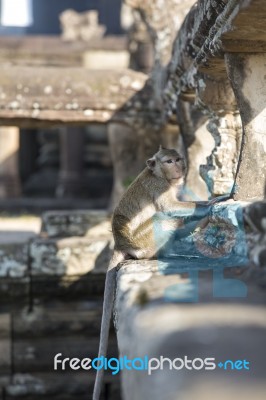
x=186, y=74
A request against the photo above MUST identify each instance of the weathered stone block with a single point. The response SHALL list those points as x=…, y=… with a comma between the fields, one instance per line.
x=31, y=96
x=13, y=261
x=59, y=319
x=71, y=287
x=75, y=223
x=14, y=290
x=69, y=256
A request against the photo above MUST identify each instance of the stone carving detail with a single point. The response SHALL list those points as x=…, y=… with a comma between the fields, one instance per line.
x=219, y=173
x=216, y=98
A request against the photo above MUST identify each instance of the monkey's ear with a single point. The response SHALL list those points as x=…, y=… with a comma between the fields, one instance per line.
x=161, y=148
x=151, y=163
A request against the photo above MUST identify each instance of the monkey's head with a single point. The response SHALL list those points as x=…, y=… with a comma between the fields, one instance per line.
x=168, y=164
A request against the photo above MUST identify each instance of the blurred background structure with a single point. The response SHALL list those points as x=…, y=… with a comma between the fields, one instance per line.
x=40, y=17
x=34, y=170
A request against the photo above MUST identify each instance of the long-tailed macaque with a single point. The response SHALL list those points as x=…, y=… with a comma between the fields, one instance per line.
x=156, y=189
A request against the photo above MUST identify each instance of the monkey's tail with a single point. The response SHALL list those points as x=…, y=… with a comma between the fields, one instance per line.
x=109, y=294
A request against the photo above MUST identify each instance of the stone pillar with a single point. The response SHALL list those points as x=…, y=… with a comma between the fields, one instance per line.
x=219, y=173
x=247, y=75
x=71, y=162
x=130, y=145
x=5, y=348
x=9, y=170
x=218, y=100
x=28, y=153
x=198, y=144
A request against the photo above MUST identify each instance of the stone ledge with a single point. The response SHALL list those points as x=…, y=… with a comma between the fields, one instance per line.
x=221, y=328
x=57, y=386
x=69, y=256
x=31, y=96
x=75, y=223
x=52, y=50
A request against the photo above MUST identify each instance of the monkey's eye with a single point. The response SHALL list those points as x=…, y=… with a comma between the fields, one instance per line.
x=169, y=161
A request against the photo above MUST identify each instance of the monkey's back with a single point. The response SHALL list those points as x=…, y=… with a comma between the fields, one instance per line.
x=131, y=223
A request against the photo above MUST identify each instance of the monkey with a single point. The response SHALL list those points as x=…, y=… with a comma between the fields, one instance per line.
x=156, y=189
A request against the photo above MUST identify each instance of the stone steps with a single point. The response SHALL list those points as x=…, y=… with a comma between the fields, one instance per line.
x=29, y=342
x=58, y=386
x=51, y=292
x=67, y=260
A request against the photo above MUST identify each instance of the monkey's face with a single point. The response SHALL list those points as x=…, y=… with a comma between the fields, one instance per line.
x=173, y=167
x=168, y=164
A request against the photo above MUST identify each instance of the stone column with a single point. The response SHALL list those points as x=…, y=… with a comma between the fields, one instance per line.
x=9, y=170
x=198, y=145
x=247, y=75
x=218, y=100
x=71, y=162
x=130, y=145
x=219, y=173
x=5, y=348
x=28, y=153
